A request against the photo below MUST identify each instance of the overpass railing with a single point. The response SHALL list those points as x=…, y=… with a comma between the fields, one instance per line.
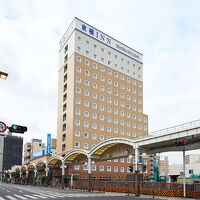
x=174, y=129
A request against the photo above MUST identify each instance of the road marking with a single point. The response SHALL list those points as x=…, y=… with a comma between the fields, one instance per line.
x=30, y=196
x=8, y=190
x=43, y=197
x=1, y=198
x=21, y=197
x=11, y=198
x=46, y=195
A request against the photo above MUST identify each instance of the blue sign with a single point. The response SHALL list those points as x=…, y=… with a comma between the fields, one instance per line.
x=39, y=153
x=49, y=143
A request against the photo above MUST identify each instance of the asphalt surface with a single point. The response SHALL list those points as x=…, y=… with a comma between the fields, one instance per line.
x=22, y=192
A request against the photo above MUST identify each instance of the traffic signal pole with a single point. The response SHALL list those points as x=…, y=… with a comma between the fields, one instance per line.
x=184, y=185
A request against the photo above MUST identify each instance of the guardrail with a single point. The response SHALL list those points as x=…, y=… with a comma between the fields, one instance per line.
x=174, y=129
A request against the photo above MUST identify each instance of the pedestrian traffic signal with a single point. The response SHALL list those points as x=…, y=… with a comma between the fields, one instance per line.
x=17, y=129
x=131, y=168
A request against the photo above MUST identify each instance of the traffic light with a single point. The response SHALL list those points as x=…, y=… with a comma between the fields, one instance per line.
x=144, y=168
x=181, y=143
x=131, y=168
x=17, y=129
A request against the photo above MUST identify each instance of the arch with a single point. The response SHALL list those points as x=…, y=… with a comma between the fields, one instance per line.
x=41, y=163
x=23, y=168
x=104, y=146
x=70, y=156
x=31, y=167
x=53, y=160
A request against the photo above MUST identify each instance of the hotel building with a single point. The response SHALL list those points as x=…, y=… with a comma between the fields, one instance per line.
x=100, y=90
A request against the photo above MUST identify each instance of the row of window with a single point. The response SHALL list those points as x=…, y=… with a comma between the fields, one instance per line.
x=109, y=109
x=102, y=168
x=109, y=72
x=103, y=51
x=115, y=120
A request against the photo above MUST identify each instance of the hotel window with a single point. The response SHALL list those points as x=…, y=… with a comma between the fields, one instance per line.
x=128, y=97
x=116, y=74
x=108, y=138
x=109, y=119
x=109, y=168
x=134, y=108
x=94, y=96
x=139, y=68
x=140, y=109
x=102, y=117
x=115, y=102
x=128, y=62
x=87, y=42
x=122, y=104
x=94, y=105
x=94, y=115
x=133, y=82
x=102, y=69
x=95, y=46
x=122, y=86
x=122, y=169
x=101, y=137
x=115, y=121
x=76, y=167
x=85, y=145
x=109, y=91
x=94, y=85
x=122, y=77
x=128, y=124
x=128, y=88
x=115, y=111
x=77, y=122
x=86, y=124
x=87, y=73
x=78, y=90
x=86, y=135
x=140, y=101
x=109, y=81
x=128, y=106
x=94, y=168
x=102, y=107
x=145, y=119
x=109, y=110
x=94, y=125
x=140, y=118
x=122, y=131
x=78, y=111
x=145, y=128
x=128, y=115
x=93, y=145
x=77, y=133
x=102, y=88
x=109, y=72
x=109, y=100
x=102, y=78
x=115, y=160
x=102, y=98
x=122, y=160
x=128, y=169
x=66, y=58
x=122, y=122
x=78, y=101
x=86, y=113
x=122, y=59
x=79, y=49
x=122, y=113
x=78, y=79
x=109, y=62
x=87, y=53
x=95, y=66
x=134, y=134
x=139, y=84
x=102, y=127
x=86, y=93
x=115, y=169
x=115, y=56
x=94, y=75
x=134, y=125
x=102, y=59
x=115, y=92
x=94, y=136
x=77, y=144
x=102, y=49
x=134, y=74
x=122, y=95
x=95, y=56
x=109, y=53
x=128, y=80
x=85, y=167
x=139, y=93
x=79, y=38
x=134, y=99
x=78, y=59
x=115, y=83
x=78, y=69
x=65, y=68
x=128, y=160
x=87, y=62
x=86, y=103
x=101, y=168
x=115, y=130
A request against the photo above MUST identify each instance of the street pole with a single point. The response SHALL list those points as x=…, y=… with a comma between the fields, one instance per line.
x=137, y=193
x=89, y=173
x=184, y=185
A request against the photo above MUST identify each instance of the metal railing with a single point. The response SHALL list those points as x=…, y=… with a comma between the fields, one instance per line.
x=174, y=129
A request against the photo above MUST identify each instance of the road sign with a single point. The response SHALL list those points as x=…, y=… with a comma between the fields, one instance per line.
x=3, y=127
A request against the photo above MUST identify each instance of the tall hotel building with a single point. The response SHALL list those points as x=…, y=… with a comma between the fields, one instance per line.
x=100, y=92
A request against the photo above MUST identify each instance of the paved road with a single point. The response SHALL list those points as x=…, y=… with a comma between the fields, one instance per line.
x=22, y=192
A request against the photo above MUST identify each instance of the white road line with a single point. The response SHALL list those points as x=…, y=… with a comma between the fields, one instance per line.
x=11, y=198
x=30, y=196
x=8, y=190
x=40, y=196
x=1, y=198
x=21, y=197
x=46, y=195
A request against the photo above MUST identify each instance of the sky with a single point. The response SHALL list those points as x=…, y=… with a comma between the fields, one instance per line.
x=167, y=32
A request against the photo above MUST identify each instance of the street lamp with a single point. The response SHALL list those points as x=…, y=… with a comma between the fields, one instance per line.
x=3, y=75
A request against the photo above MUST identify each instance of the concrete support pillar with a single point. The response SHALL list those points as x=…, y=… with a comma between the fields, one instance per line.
x=20, y=177
x=71, y=183
x=63, y=175
x=27, y=177
x=46, y=176
x=89, y=173
x=35, y=176
x=137, y=192
x=184, y=184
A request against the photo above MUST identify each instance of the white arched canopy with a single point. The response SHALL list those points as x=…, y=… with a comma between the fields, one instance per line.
x=76, y=154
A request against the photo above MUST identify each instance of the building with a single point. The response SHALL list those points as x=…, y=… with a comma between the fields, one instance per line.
x=164, y=166
x=192, y=159
x=11, y=148
x=31, y=148
x=100, y=91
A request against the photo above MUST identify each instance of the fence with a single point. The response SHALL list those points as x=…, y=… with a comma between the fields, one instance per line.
x=148, y=188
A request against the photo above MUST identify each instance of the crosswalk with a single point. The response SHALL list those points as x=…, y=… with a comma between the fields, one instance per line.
x=40, y=195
